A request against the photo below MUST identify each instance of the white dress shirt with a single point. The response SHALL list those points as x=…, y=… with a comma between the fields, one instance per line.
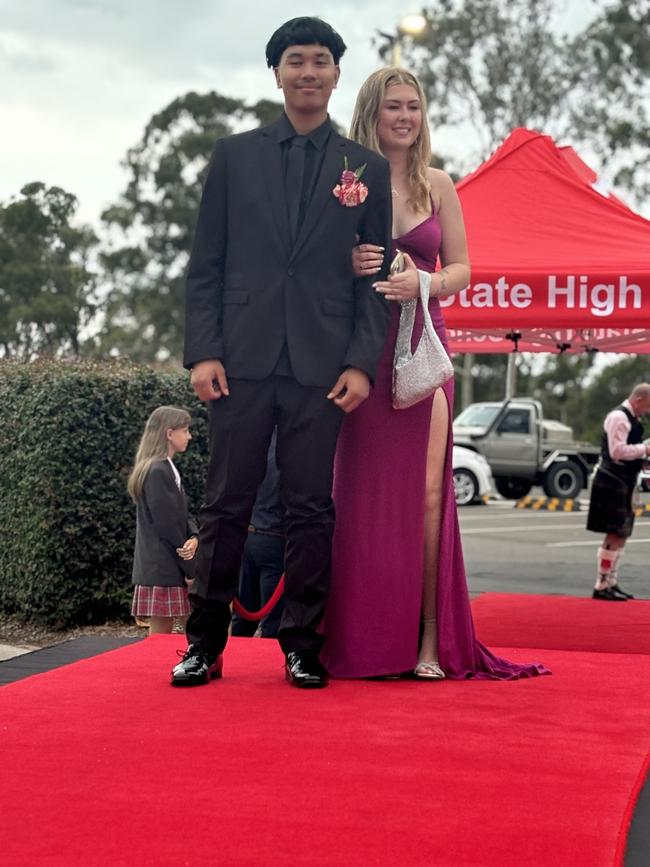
x=177, y=475
x=617, y=427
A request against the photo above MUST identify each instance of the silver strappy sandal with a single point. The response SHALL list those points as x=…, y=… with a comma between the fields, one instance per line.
x=429, y=670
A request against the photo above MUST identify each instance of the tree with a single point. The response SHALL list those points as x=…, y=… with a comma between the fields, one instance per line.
x=488, y=66
x=150, y=229
x=614, y=62
x=491, y=65
x=46, y=283
x=488, y=376
x=612, y=387
x=561, y=389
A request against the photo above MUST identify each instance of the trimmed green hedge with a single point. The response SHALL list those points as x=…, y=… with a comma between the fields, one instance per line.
x=68, y=436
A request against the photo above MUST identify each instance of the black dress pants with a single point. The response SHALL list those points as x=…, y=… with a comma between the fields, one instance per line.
x=241, y=426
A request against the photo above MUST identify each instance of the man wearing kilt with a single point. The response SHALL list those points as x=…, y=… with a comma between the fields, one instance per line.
x=611, y=506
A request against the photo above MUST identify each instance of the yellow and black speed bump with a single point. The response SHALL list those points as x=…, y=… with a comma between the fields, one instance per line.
x=642, y=510
x=550, y=504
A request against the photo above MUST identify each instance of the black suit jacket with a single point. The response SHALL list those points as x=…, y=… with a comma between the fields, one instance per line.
x=163, y=524
x=249, y=290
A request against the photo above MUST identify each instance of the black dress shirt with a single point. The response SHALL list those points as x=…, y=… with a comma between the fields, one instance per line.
x=314, y=153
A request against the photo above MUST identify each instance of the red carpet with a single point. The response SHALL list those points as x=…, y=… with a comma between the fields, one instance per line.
x=562, y=623
x=104, y=764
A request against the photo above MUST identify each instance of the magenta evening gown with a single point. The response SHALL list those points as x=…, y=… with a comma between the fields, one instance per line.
x=372, y=620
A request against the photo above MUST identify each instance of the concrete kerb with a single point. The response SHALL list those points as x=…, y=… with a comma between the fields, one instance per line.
x=9, y=651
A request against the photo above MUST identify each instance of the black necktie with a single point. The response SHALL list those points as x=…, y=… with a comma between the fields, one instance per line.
x=295, y=179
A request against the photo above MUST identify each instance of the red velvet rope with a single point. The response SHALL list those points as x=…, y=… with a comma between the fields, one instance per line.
x=258, y=615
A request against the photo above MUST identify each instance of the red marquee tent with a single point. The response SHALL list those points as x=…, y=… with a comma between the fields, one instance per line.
x=553, y=259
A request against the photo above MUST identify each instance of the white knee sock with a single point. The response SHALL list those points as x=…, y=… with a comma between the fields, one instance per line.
x=612, y=579
x=606, y=560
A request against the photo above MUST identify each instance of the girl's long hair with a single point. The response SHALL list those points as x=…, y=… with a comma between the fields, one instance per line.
x=153, y=444
x=364, y=128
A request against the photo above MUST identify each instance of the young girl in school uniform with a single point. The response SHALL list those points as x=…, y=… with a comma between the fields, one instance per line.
x=166, y=536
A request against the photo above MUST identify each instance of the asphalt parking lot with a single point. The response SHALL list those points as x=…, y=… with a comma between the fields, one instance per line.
x=510, y=550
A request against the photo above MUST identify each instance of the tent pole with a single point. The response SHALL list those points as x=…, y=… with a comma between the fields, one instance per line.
x=511, y=375
x=467, y=383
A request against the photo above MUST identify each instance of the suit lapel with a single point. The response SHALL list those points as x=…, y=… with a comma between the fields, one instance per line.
x=329, y=176
x=274, y=178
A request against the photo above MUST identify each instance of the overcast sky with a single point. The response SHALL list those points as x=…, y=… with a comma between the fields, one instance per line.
x=79, y=79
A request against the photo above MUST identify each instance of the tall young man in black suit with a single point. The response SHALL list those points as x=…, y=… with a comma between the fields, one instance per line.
x=279, y=332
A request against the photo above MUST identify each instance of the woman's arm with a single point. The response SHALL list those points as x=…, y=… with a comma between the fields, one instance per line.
x=454, y=258
x=455, y=272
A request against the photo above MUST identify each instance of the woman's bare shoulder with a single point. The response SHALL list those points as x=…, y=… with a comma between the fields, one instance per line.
x=438, y=179
x=439, y=182
x=441, y=185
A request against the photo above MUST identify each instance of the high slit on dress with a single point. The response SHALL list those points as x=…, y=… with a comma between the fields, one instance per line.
x=372, y=620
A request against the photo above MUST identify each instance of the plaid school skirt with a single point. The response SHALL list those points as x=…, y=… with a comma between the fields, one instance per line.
x=160, y=601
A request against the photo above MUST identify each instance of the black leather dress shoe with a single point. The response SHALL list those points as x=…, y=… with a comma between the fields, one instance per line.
x=617, y=590
x=608, y=596
x=196, y=667
x=305, y=671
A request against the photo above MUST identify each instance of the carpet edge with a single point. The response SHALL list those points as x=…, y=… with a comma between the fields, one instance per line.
x=628, y=813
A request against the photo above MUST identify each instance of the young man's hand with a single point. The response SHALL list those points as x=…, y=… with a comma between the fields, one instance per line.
x=351, y=389
x=209, y=380
x=367, y=259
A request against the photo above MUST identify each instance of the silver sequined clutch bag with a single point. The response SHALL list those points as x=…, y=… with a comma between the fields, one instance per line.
x=416, y=375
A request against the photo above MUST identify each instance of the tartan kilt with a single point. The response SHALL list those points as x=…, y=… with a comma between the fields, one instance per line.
x=160, y=601
x=610, y=506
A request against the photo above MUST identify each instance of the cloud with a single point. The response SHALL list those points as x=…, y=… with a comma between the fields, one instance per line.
x=18, y=55
x=81, y=78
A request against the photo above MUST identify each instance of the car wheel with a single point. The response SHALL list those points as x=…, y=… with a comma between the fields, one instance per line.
x=465, y=487
x=512, y=488
x=563, y=479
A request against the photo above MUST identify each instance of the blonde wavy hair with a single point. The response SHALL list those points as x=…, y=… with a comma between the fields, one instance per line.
x=153, y=444
x=364, y=128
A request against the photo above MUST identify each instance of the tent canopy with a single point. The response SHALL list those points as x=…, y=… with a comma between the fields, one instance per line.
x=555, y=260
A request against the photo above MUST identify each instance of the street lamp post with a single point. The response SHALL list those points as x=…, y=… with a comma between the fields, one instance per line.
x=396, y=52
x=410, y=25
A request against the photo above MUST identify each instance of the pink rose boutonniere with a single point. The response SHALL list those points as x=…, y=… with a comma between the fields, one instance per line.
x=349, y=190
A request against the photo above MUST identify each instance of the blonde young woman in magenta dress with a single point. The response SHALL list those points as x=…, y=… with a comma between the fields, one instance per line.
x=398, y=599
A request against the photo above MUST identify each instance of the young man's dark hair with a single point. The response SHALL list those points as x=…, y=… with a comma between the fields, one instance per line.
x=303, y=31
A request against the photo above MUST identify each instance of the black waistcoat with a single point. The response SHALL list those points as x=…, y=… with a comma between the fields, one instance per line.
x=627, y=470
